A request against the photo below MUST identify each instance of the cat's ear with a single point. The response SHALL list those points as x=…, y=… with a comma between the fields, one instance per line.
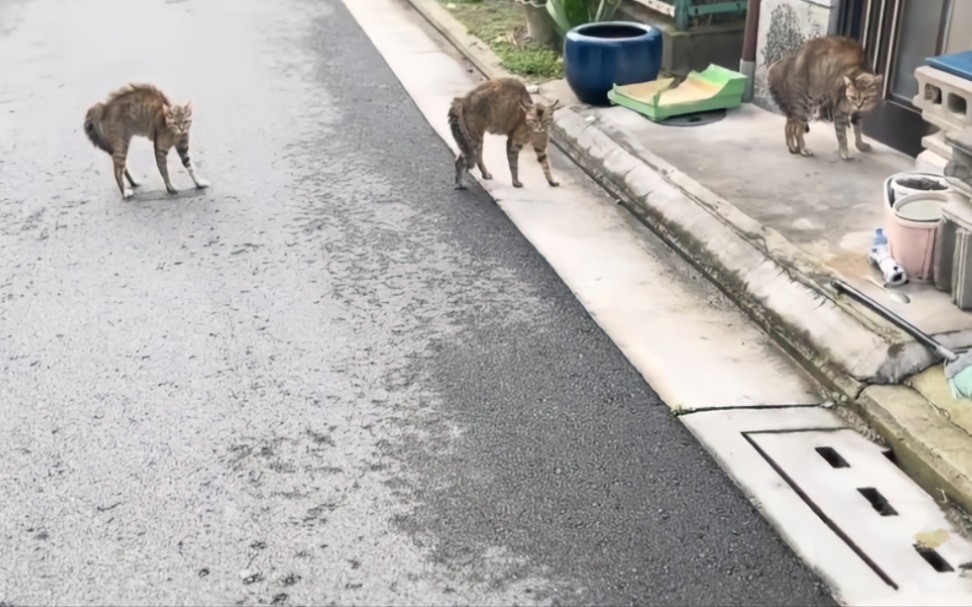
x=879, y=81
x=524, y=106
x=554, y=105
x=848, y=83
x=188, y=108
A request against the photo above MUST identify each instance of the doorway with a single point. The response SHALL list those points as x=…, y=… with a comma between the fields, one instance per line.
x=897, y=35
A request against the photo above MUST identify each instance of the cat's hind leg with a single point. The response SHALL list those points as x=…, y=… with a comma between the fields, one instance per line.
x=460, y=172
x=482, y=168
x=794, y=130
x=791, y=138
x=801, y=129
x=118, y=158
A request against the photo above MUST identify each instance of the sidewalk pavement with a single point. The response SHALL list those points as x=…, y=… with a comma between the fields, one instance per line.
x=771, y=229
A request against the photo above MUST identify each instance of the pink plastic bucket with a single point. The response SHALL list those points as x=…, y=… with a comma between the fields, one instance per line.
x=911, y=226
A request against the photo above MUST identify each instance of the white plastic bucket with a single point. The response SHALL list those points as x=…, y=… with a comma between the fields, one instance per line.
x=907, y=183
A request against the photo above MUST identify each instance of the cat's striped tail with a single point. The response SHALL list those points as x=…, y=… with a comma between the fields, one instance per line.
x=92, y=127
x=457, y=124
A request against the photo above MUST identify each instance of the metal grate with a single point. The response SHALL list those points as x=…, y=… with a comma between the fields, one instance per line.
x=894, y=526
x=842, y=504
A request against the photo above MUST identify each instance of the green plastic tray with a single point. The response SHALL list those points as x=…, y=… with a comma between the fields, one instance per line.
x=715, y=88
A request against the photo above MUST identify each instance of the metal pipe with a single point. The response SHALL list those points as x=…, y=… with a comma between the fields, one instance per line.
x=747, y=64
x=751, y=33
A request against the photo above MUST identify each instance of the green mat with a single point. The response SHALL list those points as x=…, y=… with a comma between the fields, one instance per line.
x=716, y=88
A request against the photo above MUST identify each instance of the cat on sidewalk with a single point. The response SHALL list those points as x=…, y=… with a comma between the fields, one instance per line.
x=502, y=106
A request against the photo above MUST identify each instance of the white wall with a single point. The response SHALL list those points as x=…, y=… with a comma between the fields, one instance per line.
x=783, y=26
x=960, y=28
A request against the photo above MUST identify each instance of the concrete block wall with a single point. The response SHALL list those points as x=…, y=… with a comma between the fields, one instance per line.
x=945, y=100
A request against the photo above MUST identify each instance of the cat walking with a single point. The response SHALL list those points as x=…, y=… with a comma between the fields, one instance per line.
x=827, y=78
x=143, y=110
x=502, y=106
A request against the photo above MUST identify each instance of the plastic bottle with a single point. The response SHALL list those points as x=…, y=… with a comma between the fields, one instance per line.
x=880, y=255
x=879, y=244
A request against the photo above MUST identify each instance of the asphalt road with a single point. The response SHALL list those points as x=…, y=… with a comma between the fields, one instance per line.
x=328, y=379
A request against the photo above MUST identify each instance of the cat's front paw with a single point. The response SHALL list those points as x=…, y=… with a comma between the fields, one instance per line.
x=553, y=184
x=127, y=193
x=845, y=155
x=864, y=146
x=487, y=175
x=201, y=184
x=459, y=186
x=517, y=184
x=806, y=152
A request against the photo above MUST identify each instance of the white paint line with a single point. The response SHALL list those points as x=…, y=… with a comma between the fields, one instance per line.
x=854, y=581
x=694, y=348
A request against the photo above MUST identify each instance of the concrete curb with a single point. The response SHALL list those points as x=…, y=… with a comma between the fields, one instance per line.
x=471, y=47
x=794, y=313
x=775, y=283
x=927, y=447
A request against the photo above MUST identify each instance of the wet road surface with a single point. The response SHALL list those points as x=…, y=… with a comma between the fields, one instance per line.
x=328, y=379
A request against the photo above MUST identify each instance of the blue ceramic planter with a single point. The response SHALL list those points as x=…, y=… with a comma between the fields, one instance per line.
x=599, y=55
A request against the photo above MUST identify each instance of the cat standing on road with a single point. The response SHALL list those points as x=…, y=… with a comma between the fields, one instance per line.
x=827, y=78
x=144, y=110
x=502, y=106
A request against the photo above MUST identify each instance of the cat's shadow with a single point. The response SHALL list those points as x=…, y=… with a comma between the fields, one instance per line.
x=161, y=195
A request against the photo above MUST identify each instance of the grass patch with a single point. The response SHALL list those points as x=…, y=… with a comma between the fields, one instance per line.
x=502, y=25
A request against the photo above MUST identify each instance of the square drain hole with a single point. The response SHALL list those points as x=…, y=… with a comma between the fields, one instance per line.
x=833, y=458
x=889, y=453
x=934, y=559
x=878, y=501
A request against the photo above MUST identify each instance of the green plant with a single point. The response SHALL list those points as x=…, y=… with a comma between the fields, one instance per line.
x=501, y=25
x=568, y=14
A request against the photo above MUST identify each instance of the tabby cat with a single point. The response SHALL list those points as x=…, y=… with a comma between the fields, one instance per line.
x=141, y=109
x=828, y=79
x=501, y=107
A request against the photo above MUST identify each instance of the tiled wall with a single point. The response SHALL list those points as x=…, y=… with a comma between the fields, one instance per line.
x=783, y=26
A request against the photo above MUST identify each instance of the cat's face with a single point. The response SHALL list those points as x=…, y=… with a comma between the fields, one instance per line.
x=539, y=117
x=863, y=92
x=545, y=114
x=532, y=117
x=179, y=118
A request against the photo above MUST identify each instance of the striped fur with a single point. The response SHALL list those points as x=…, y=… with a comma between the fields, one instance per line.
x=143, y=110
x=825, y=79
x=501, y=107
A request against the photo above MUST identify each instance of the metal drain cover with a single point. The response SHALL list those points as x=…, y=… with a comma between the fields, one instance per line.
x=893, y=526
x=847, y=510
